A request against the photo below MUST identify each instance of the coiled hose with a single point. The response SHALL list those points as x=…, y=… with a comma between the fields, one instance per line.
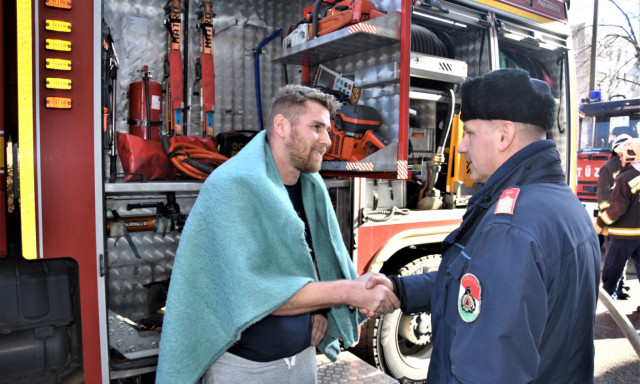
x=191, y=159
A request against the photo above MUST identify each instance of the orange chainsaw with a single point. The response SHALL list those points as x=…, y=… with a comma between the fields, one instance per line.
x=353, y=134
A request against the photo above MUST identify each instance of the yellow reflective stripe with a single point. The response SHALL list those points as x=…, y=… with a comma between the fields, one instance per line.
x=25, y=130
x=515, y=10
x=605, y=218
x=634, y=184
x=624, y=231
x=604, y=205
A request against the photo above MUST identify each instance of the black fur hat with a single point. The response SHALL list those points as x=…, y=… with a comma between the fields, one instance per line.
x=508, y=94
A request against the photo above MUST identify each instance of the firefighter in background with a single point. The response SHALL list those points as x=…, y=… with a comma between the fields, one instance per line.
x=606, y=181
x=621, y=220
x=609, y=171
x=515, y=296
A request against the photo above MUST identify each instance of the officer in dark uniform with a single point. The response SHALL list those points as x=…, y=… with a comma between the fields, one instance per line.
x=515, y=296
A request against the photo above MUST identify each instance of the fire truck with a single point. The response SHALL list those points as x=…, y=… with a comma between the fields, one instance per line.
x=599, y=121
x=92, y=205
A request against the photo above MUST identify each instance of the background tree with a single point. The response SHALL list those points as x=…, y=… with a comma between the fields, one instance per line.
x=621, y=45
x=618, y=51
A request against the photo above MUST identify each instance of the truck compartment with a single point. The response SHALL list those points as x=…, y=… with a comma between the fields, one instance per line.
x=35, y=294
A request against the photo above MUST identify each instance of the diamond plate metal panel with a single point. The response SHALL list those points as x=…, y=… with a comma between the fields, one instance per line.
x=349, y=369
x=140, y=39
x=388, y=5
x=129, y=341
x=239, y=26
x=126, y=274
x=468, y=44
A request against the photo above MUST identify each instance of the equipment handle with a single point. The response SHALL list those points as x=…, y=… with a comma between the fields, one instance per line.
x=145, y=76
x=314, y=18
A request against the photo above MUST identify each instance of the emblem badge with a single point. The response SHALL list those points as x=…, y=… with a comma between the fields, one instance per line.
x=507, y=201
x=469, y=298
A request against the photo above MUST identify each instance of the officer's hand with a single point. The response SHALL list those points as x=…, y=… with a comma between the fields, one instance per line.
x=374, y=298
x=376, y=279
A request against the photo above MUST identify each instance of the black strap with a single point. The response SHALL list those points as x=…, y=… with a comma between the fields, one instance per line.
x=127, y=236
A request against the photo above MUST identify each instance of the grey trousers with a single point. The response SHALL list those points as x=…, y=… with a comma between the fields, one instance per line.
x=232, y=369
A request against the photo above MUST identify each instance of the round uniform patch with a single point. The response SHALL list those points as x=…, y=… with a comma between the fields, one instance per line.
x=469, y=298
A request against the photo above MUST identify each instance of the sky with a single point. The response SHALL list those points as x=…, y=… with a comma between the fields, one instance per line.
x=581, y=11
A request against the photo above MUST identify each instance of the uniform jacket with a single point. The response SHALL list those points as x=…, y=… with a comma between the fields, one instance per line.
x=606, y=178
x=538, y=271
x=622, y=216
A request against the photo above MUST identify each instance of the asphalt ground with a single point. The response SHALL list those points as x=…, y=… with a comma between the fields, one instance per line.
x=616, y=362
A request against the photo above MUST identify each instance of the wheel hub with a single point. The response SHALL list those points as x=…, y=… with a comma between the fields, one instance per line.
x=416, y=329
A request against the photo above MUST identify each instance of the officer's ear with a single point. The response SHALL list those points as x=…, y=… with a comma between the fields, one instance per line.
x=506, y=134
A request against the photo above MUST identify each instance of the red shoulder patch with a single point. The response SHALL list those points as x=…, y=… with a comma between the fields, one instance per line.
x=507, y=201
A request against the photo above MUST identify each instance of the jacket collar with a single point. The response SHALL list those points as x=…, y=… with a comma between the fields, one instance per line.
x=535, y=162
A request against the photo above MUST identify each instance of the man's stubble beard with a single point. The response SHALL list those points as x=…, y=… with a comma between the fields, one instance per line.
x=301, y=156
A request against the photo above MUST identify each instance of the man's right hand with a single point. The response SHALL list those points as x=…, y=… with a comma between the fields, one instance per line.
x=373, y=295
x=379, y=278
x=317, y=295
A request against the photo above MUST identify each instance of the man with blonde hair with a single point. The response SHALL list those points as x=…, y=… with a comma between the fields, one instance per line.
x=262, y=276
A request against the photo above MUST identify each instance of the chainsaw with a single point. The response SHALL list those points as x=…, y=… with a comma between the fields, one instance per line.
x=326, y=16
x=352, y=133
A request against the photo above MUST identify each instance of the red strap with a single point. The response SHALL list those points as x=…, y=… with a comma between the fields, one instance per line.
x=207, y=27
x=208, y=83
x=176, y=88
x=207, y=80
x=175, y=78
x=175, y=95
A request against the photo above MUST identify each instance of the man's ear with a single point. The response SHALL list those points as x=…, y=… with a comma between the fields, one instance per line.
x=280, y=125
x=507, y=131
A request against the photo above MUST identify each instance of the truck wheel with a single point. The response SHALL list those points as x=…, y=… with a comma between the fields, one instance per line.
x=401, y=344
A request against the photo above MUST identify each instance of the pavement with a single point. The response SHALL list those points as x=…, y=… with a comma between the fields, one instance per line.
x=616, y=362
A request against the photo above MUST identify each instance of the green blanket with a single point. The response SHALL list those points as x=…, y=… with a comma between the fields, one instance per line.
x=242, y=255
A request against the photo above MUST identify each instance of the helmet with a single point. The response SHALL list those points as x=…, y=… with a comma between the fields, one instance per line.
x=619, y=140
x=630, y=151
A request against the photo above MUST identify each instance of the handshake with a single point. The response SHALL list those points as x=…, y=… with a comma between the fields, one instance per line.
x=373, y=294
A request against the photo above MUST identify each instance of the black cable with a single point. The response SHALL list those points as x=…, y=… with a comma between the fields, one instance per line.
x=148, y=103
x=387, y=212
x=484, y=34
x=185, y=72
